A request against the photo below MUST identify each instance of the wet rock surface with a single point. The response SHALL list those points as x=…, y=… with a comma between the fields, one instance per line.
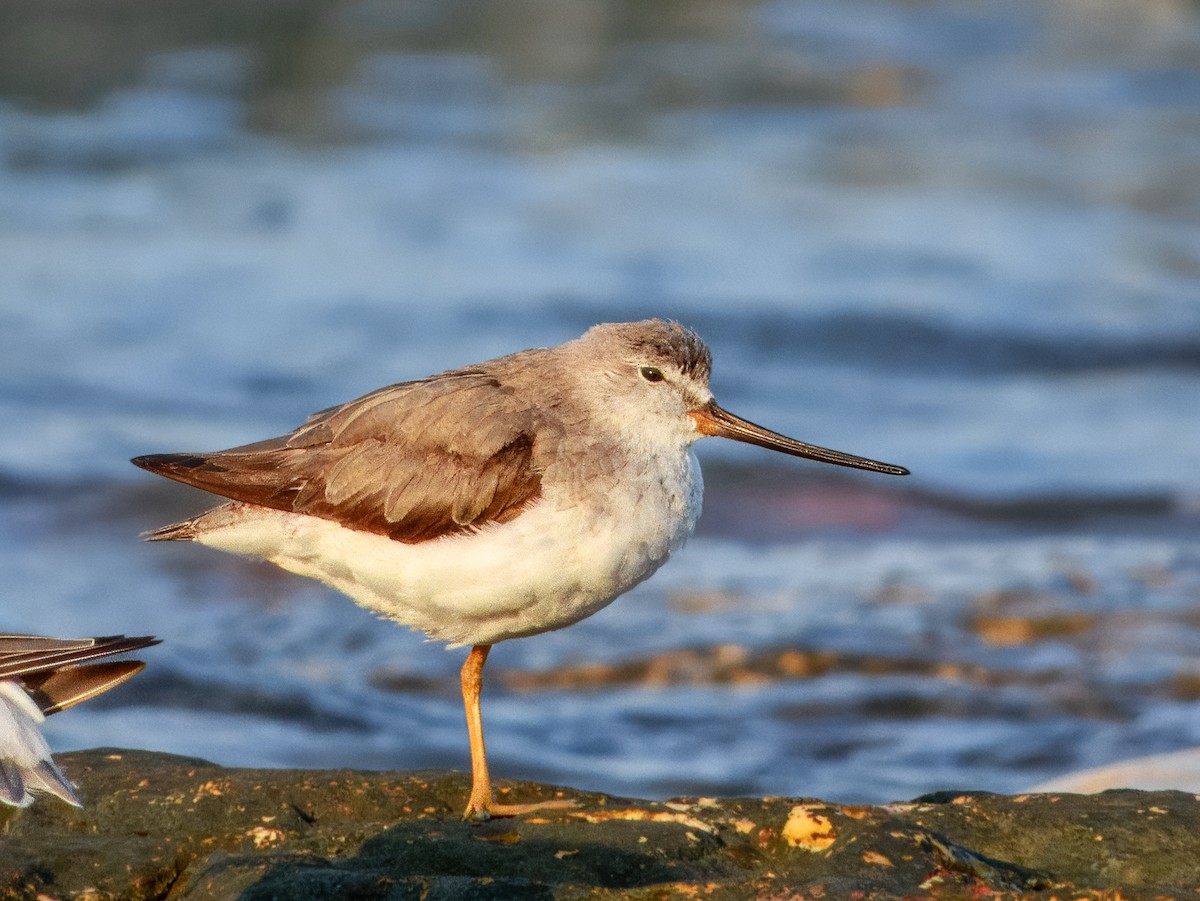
x=162, y=826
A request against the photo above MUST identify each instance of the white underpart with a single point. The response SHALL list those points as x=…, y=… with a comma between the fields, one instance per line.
x=25, y=762
x=563, y=559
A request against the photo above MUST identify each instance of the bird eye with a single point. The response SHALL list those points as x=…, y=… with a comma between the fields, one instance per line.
x=652, y=373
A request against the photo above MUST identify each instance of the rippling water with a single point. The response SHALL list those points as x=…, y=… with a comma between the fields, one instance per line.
x=961, y=237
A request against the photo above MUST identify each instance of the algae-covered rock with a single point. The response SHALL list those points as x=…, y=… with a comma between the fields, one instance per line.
x=160, y=826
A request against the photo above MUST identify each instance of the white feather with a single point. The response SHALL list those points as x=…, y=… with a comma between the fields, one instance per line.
x=25, y=762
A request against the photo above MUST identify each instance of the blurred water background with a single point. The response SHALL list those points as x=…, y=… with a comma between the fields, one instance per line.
x=960, y=236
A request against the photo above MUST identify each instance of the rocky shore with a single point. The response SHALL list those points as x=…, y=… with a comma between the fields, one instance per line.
x=157, y=826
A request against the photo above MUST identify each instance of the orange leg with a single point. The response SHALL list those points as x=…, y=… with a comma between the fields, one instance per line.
x=480, y=806
x=480, y=803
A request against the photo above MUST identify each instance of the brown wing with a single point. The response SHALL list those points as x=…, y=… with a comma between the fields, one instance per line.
x=63, y=688
x=52, y=670
x=413, y=461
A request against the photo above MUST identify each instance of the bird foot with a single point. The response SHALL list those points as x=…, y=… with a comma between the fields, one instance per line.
x=477, y=811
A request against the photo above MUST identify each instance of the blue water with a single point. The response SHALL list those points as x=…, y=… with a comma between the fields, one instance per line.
x=959, y=237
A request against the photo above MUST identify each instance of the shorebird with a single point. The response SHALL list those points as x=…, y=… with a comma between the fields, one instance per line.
x=40, y=676
x=496, y=501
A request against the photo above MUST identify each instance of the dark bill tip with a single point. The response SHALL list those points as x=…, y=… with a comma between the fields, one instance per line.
x=712, y=420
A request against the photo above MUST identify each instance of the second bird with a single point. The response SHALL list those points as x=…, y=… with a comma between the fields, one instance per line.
x=496, y=501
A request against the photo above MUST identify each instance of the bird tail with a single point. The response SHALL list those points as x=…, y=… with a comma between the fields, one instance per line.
x=25, y=762
x=177, y=531
x=40, y=676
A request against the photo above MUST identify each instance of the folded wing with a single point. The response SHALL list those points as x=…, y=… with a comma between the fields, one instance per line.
x=403, y=461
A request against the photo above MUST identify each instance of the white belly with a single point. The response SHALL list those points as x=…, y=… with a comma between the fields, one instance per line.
x=553, y=565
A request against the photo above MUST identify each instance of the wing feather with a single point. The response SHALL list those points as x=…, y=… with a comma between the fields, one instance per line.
x=58, y=672
x=412, y=461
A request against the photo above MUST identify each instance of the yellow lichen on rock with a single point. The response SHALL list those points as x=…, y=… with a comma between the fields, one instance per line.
x=265, y=836
x=808, y=830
